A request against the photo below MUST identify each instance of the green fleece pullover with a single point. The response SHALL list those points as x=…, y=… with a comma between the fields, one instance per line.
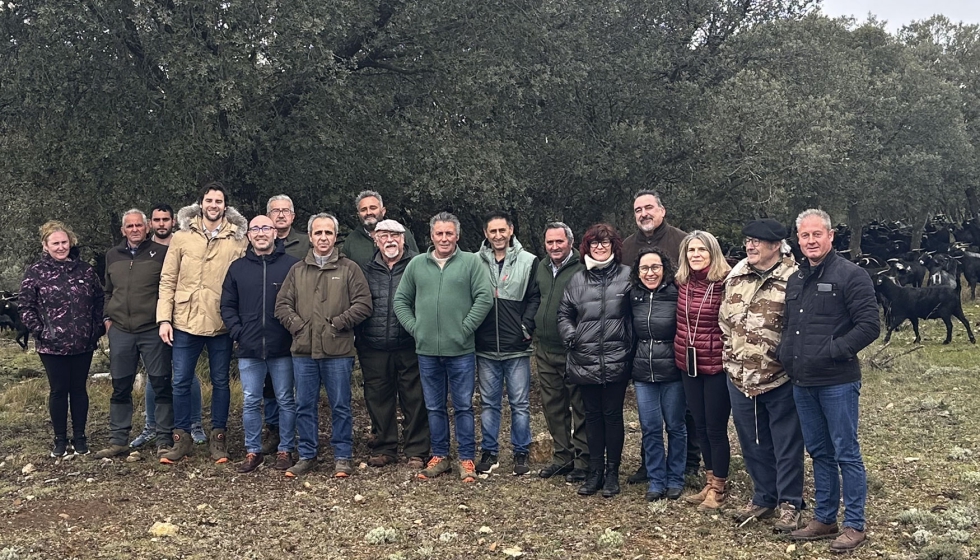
x=442, y=307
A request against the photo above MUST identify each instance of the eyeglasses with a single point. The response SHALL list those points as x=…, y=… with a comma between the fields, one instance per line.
x=261, y=229
x=752, y=242
x=644, y=269
x=282, y=211
x=596, y=244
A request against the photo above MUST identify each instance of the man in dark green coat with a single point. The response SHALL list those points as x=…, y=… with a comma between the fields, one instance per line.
x=359, y=244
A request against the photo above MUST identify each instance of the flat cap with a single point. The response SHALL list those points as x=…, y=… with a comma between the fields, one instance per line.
x=389, y=225
x=765, y=229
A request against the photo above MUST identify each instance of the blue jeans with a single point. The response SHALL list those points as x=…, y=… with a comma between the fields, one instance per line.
x=253, y=372
x=334, y=374
x=151, y=403
x=517, y=373
x=455, y=376
x=829, y=419
x=187, y=349
x=660, y=405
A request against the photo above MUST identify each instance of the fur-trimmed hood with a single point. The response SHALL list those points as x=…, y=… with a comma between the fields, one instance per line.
x=189, y=217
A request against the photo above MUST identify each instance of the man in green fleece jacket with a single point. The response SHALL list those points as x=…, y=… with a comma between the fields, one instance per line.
x=443, y=297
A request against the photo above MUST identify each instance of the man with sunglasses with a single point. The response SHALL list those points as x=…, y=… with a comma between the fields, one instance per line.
x=248, y=301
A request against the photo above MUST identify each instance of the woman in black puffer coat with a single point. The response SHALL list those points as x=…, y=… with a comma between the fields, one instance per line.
x=594, y=323
x=660, y=398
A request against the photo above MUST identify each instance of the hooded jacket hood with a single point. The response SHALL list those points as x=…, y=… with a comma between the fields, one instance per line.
x=189, y=217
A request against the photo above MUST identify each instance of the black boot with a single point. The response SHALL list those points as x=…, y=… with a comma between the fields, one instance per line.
x=592, y=483
x=611, y=486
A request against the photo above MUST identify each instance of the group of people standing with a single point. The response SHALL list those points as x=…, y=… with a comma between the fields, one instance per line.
x=770, y=343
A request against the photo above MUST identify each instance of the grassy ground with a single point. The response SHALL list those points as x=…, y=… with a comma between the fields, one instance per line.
x=919, y=435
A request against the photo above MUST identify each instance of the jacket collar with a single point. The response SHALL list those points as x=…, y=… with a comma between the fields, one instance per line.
x=486, y=251
x=658, y=232
x=331, y=260
x=782, y=271
x=189, y=218
x=407, y=255
x=277, y=252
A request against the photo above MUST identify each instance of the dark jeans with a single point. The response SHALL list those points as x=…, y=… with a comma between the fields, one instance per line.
x=709, y=403
x=390, y=378
x=564, y=411
x=187, y=349
x=67, y=376
x=772, y=444
x=126, y=351
x=604, y=422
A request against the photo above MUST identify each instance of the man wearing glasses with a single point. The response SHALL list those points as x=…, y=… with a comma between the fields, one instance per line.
x=248, y=298
x=359, y=244
x=280, y=209
x=751, y=319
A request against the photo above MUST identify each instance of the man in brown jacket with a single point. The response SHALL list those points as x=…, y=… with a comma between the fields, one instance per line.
x=321, y=301
x=211, y=236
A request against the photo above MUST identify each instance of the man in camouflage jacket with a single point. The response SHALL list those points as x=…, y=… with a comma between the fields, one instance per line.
x=751, y=318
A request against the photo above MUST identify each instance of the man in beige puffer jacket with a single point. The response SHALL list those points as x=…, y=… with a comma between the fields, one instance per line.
x=210, y=237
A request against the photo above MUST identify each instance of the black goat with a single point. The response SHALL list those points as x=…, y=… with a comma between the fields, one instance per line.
x=933, y=302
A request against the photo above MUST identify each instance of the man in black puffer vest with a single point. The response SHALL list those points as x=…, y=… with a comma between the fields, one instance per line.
x=387, y=355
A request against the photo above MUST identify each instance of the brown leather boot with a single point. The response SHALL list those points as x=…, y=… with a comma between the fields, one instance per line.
x=700, y=496
x=717, y=494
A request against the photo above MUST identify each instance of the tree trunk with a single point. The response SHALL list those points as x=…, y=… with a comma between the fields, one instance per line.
x=854, y=222
x=972, y=202
x=918, y=227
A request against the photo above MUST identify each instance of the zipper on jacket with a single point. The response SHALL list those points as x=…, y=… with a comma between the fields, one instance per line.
x=602, y=329
x=265, y=289
x=649, y=330
x=391, y=299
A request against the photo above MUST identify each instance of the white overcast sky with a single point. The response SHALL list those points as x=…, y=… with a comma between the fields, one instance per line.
x=901, y=12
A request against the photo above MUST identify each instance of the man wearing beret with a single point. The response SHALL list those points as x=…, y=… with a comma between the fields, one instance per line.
x=751, y=318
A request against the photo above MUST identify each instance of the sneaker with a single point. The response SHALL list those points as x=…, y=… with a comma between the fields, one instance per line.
x=163, y=449
x=198, y=435
x=60, y=447
x=488, y=462
x=467, y=470
x=302, y=467
x=283, y=461
x=753, y=512
x=577, y=475
x=555, y=469
x=149, y=434
x=80, y=445
x=815, y=531
x=252, y=461
x=435, y=467
x=850, y=539
x=342, y=468
x=219, y=451
x=789, y=519
x=181, y=448
x=270, y=440
x=520, y=464
x=113, y=450
x=416, y=463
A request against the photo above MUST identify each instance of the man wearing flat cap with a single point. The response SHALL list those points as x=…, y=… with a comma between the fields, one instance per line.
x=751, y=318
x=387, y=354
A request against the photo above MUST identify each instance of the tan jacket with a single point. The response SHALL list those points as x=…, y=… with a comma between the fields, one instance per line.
x=751, y=319
x=321, y=306
x=195, y=267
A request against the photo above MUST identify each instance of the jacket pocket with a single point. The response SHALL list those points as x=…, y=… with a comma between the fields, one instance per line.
x=337, y=343
x=182, y=308
x=303, y=341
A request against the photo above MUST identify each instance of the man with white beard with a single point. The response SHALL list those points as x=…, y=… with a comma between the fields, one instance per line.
x=359, y=245
x=387, y=355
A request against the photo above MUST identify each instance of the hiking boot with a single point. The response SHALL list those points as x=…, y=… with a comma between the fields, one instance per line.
x=488, y=462
x=555, y=469
x=520, y=464
x=113, y=450
x=219, y=451
x=655, y=495
x=639, y=476
x=197, y=432
x=593, y=482
x=700, y=496
x=252, y=461
x=717, y=495
x=270, y=440
x=148, y=435
x=302, y=467
x=283, y=461
x=815, y=531
x=577, y=475
x=436, y=467
x=182, y=448
x=342, y=468
x=752, y=511
x=674, y=493
x=467, y=470
x=610, y=486
x=163, y=449
x=60, y=447
x=416, y=463
x=789, y=518
x=80, y=445
x=850, y=539
x=380, y=461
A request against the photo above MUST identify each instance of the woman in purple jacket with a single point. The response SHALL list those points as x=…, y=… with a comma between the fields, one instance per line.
x=61, y=304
